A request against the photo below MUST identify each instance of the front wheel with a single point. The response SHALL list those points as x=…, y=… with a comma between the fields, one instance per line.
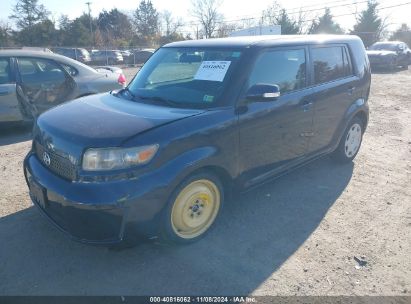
x=192, y=209
x=351, y=141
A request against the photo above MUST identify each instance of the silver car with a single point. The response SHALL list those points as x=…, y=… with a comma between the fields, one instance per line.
x=32, y=82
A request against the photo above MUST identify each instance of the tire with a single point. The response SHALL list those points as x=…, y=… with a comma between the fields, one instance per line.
x=350, y=142
x=393, y=66
x=192, y=209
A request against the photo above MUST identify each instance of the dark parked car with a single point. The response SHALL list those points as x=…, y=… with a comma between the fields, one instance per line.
x=389, y=55
x=200, y=119
x=107, y=57
x=34, y=81
x=127, y=55
x=81, y=55
x=141, y=56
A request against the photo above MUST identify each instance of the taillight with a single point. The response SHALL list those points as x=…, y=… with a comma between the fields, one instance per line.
x=122, y=80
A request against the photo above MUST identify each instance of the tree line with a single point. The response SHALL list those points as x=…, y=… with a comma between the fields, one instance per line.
x=146, y=26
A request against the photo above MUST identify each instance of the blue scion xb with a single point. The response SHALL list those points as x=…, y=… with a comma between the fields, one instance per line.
x=200, y=119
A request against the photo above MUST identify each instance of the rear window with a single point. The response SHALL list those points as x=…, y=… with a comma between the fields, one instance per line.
x=330, y=63
x=69, y=69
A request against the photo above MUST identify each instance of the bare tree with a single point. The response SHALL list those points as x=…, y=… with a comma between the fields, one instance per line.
x=225, y=29
x=206, y=12
x=5, y=34
x=370, y=25
x=171, y=26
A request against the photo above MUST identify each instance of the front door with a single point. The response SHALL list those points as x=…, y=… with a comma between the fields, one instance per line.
x=9, y=105
x=43, y=84
x=275, y=133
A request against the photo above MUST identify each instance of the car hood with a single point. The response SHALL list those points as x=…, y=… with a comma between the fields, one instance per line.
x=380, y=53
x=102, y=120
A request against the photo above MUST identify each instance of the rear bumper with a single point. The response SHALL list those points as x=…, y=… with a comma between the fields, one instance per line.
x=95, y=213
x=382, y=63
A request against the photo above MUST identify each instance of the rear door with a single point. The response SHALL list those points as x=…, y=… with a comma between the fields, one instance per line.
x=334, y=91
x=42, y=83
x=9, y=105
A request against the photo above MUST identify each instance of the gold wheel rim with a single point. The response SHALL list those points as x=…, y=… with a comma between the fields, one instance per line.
x=195, y=209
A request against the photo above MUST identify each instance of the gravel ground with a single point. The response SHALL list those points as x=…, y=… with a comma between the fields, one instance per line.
x=324, y=229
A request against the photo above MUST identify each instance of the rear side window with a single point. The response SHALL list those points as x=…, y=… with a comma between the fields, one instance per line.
x=330, y=63
x=69, y=69
x=5, y=71
x=285, y=68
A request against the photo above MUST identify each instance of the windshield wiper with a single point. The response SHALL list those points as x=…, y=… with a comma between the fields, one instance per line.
x=121, y=92
x=136, y=97
x=160, y=99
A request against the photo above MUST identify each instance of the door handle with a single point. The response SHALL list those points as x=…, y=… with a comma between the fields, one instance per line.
x=306, y=105
x=351, y=90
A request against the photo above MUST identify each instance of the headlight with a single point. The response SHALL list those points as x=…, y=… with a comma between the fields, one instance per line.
x=117, y=158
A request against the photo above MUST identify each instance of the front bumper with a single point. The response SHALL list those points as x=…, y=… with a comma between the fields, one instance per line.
x=96, y=213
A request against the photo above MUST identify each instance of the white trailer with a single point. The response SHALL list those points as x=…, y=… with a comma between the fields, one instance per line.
x=258, y=30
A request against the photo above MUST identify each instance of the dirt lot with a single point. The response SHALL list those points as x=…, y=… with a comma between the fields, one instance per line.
x=300, y=234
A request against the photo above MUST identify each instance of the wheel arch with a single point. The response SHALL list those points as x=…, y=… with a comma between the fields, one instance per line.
x=363, y=117
x=359, y=109
x=221, y=173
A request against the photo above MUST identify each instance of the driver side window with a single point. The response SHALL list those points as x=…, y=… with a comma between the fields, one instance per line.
x=38, y=70
x=285, y=68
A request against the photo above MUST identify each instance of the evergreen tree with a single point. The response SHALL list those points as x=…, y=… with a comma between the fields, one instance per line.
x=403, y=33
x=276, y=15
x=289, y=26
x=75, y=32
x=325, y=25
x=42, y=33
x=146, y=20
x=114, y=26
x=369, y=24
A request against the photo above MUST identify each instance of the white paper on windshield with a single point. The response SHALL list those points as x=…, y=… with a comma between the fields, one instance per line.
x=212, y=70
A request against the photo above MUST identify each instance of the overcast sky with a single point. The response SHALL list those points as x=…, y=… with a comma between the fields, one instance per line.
x=231, y=9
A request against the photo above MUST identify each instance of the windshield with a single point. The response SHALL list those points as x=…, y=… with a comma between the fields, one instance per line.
x=384, y=46
x=185, y=77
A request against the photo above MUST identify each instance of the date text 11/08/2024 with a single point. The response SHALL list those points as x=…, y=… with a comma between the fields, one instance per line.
x=234, y=299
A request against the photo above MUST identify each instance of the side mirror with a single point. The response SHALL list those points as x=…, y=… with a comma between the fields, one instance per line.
x=263, y=92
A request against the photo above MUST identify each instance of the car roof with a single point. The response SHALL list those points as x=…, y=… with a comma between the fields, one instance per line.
x=82, y=68
x=264, y=41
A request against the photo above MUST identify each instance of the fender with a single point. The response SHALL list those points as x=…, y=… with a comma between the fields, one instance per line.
x=191, y=161
x=357, y=107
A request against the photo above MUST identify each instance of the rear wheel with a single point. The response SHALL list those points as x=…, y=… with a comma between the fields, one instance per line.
x=350, y=142
x=393, y=66
x=192, y=209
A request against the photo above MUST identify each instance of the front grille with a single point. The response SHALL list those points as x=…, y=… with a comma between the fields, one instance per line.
x=58, y=165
